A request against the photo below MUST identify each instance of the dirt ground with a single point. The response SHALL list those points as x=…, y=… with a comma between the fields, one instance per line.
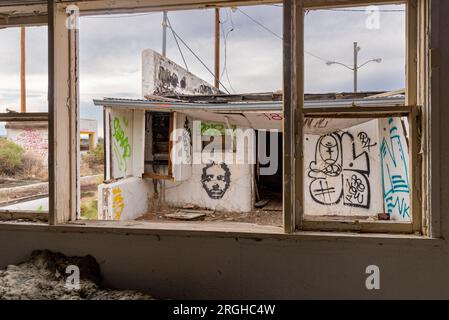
x=11, y=182
x=260, y=217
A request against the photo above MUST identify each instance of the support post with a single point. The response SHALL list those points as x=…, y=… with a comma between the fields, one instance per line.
x=217, y=48
x=23, y=95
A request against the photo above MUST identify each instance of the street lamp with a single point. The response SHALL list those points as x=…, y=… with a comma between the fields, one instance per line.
x=356, y=66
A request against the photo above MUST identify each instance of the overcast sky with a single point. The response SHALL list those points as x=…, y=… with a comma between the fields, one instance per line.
x=111, y=46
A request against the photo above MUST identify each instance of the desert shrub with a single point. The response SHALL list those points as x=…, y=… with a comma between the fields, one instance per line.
x=10, y=157
x=32, y=167
x=95, y=157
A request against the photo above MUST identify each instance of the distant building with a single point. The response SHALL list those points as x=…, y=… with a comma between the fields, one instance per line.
x=33, y=137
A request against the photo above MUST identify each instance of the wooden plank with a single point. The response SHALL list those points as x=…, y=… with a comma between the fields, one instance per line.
x=415, y=169
x=186, y=215
x=358, y=112
x=287, y=122
x=91, y=7
x=170, y=143
x=62, y=121
x=138, y=143
x=411, y=55
x=298, y=116
x=51, y=115
x=157, y=176
x=29, y=116
x=74, y=118
x=433, y=110
x=23, y=15
x=358, y=226
x=320, y=4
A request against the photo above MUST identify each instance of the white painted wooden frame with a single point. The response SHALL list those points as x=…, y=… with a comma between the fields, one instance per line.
x=294, y=115
x=64, y=90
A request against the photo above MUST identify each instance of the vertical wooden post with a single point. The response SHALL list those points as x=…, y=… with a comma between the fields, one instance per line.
x=293, y=113
x=63, y=116
x=298, y=117
x=23, y=98
x=415, y=171
x=217, y=48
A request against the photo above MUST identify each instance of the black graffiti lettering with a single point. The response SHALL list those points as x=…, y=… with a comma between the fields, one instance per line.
x=324, y=191
x=316, y=123
x=366, y=141
x=339, y=172
x=355, y=189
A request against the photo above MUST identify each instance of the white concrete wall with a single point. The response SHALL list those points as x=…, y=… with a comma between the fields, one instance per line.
x=162, y=76
x=32, y=137
x=126, y=199
x=237, y=196
x=125, y=143
x=342, y=172
x=231, y=267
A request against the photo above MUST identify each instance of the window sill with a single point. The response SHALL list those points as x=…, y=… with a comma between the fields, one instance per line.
x=218, y=230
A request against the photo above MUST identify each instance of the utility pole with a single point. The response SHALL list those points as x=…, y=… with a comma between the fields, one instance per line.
x=23, y=107
x=355, y=68
x=164, y=34
x=217, y=48
x=356, y=53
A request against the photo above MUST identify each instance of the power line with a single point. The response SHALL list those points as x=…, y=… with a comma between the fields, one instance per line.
x=177, y=43
x=225, y=40
x=279, y=37
x=198, y=58
x=260, y=24
x=315, y=56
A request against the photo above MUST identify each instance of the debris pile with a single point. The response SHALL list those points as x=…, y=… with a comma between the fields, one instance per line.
x=50, y=276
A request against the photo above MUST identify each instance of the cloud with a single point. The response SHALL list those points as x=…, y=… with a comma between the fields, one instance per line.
x=110, y=53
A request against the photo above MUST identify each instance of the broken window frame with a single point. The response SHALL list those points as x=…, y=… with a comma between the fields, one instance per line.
x=294, y=92
x=13, y=17
x=63, y=104
x=24, y=214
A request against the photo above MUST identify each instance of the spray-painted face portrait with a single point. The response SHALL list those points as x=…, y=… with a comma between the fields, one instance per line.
x=216, y=179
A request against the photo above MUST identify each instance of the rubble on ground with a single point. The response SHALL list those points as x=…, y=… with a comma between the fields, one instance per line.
x=44, y=277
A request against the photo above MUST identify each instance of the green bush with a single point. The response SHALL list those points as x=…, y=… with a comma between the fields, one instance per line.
x=89, y=209
x=10, y=156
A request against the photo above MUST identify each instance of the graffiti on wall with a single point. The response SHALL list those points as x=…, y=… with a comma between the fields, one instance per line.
x=339, y=173
x=394, y=166
x=35, y=141
x=216, y=179
x=187, y=141
x=122, y=148
x=169, y=81
x=118, y=204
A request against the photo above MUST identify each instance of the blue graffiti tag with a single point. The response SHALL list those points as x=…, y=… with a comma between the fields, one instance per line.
x=395, y=179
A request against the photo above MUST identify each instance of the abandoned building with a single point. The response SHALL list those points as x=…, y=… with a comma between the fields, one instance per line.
x=144, y=137
x=349, y=180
